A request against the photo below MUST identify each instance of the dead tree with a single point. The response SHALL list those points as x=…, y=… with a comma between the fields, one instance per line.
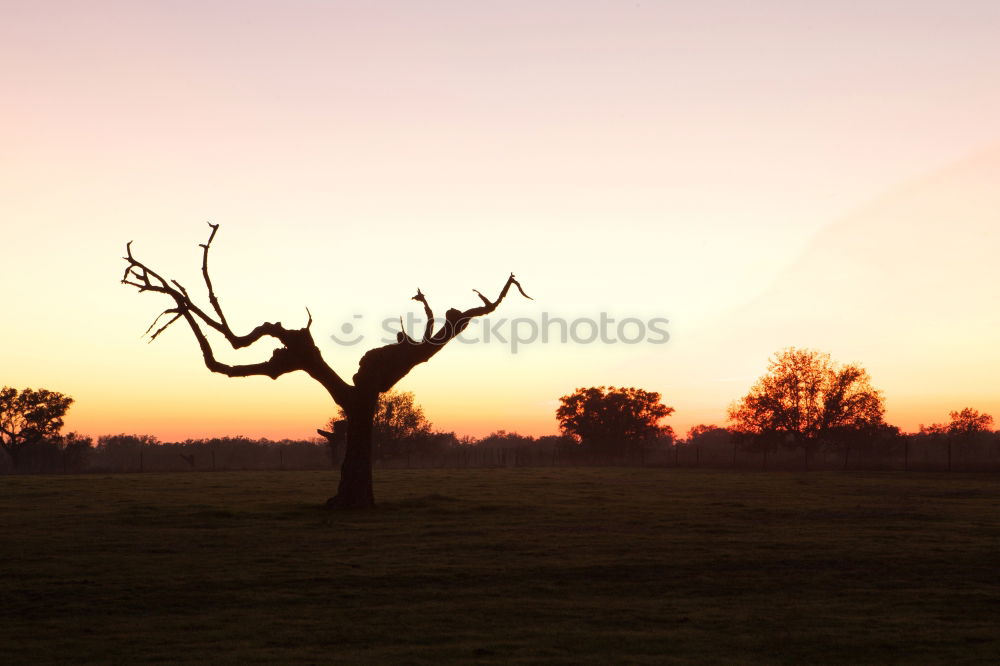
x=378, y=371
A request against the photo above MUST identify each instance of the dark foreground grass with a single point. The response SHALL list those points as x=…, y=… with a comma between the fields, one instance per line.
x=500, y=566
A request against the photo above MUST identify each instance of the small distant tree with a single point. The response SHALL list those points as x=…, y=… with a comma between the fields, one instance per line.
x=29, y=417
x=710, y=438
x=934, y=430
x=964, y=427
x=398, y=425
x=938, y=434
x=435, y=443
x=804, y=401
x=708, y=434
x=501, y=439
x=969, y=421
x=879, y=439
x=615, y=423
x=510, y=446
x=561, y=447
x=76, y=450
x=124, y=452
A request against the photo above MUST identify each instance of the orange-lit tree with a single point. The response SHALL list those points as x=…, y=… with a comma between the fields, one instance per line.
x=805, y=400
x=28, y=417
x=969, y=421
x=378, y=371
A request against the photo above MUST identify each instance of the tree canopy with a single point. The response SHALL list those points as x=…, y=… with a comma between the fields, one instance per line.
x=613, y=420
x=708, y=434
x=969, y=421
x=805, y=399
x=30, y=416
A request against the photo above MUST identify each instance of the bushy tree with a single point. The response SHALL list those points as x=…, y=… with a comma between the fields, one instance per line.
x=968, y=421
x=76, y=450
x=124, y=452
x=29, y=417
x=708, y=436
x=704, y=432
x=806, y=400
x=965, y=426
x=501, y=439
x=704, y=441
x=614, y=422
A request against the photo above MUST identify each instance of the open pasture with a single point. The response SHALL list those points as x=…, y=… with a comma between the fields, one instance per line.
x=579, y=565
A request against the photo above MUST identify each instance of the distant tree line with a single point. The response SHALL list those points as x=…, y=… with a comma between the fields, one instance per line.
x=807, y=412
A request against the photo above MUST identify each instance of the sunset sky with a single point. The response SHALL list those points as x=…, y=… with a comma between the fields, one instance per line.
x=765, y=174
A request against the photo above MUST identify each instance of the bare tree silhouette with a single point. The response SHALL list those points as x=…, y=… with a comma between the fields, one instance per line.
x=378, y=371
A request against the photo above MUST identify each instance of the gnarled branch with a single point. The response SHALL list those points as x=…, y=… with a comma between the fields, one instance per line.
x=298, y=350
x=429, y=326
x=380, y=368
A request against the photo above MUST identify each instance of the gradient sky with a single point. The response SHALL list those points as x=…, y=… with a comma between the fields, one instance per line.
x=677, y=160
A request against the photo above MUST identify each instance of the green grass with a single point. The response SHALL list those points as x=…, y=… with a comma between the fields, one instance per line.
x=500, y=566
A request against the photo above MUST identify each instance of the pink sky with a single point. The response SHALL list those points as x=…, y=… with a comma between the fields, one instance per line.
x=643, y=159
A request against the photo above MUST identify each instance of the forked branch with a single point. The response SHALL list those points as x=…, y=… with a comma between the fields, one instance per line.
x=298, y=351
x=381, y=368
x=208, y=280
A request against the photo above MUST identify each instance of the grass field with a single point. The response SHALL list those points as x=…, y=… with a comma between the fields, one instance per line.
x=501, y=566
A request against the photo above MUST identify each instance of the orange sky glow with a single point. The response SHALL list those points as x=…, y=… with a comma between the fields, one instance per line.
x=760, y=175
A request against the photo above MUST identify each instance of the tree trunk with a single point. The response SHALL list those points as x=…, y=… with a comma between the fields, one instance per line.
x=355, y=490
x=15, y=458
